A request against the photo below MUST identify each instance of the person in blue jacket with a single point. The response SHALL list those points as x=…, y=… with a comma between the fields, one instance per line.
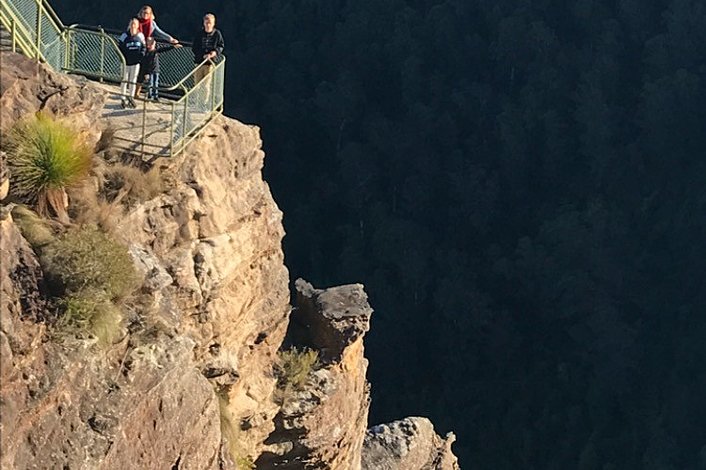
x=132, y=46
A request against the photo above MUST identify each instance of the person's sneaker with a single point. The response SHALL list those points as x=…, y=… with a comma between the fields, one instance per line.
x=131, y=102
x=123, y=102
x=155, y=99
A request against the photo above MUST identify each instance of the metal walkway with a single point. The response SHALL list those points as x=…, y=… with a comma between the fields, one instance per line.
x=32, y=28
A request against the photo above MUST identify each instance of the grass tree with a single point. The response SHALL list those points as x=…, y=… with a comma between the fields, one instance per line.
x=46, y=157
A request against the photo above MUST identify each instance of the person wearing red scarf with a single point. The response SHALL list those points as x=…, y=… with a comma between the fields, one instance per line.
x=149, y=28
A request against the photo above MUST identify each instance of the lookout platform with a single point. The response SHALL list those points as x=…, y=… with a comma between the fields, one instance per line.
x=162, y=129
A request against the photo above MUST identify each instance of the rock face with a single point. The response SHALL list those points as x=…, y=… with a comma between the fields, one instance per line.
x=214, y=312
x=408, y=444
x=191, y=385
x=4, y=176
x=322, y=427
x=27, y=87
x=66, y=408
x=214, y=242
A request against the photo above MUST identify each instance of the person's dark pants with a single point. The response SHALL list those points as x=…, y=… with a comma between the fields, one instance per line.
x=153, y=91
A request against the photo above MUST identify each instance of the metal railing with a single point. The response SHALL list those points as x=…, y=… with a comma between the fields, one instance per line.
x=39, y=27
x=37, y=31
x=93, y=54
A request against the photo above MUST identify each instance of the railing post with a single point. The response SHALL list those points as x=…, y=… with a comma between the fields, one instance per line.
x=102, y=67
x=144, y=127
x=39, y=28
x=67, y=48
x=13, y=35
x=183, y=132
x=213, y=88
x=171, y=132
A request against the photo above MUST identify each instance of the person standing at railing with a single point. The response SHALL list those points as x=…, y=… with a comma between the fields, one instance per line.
x=208, y=45
x=150, y=66
x=148, y=27
x=132, y=46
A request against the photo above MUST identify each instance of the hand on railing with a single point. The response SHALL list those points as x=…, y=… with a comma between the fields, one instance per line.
x=210, y=56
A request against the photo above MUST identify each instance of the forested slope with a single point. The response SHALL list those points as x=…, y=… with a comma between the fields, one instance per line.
x=519, y=185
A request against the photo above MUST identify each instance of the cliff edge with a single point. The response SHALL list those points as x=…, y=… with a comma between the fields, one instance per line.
x=192, y=380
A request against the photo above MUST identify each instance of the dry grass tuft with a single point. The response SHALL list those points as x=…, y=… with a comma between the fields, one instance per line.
x=87, y=208
x=130, y=185
x=87, y=259
x=36, y=230
x=92, y=312
x=293, y=369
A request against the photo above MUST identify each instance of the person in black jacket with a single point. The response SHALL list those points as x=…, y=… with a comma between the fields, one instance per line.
x=208, y=45
x=150, y=66
x=132, y=45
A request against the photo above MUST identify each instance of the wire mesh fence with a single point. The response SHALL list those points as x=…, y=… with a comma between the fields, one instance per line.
x=94, y=54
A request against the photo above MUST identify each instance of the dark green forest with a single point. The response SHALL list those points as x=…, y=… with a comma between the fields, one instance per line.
x=521, y=187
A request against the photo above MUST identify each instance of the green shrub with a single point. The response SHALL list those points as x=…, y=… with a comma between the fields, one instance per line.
x=35, y=229
x=293, y=369
x=86, y=259
x=92, y=312
x=45, y=157
x=244, y=463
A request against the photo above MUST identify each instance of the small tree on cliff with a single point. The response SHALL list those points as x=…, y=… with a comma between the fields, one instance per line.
x=46, y=157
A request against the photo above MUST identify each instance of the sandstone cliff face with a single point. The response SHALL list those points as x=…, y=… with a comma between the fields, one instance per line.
x=210, y=253
x=322, y=427
x=192, y=382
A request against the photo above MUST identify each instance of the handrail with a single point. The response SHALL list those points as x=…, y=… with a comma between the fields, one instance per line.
x=52, y=13
x=28, y=46
x=30, y=19
x=180, y=83
x=117, y=32
x=177, y=145
x=86, y=39
x=176, y=63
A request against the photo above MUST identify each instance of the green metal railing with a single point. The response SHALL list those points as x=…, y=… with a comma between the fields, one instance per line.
x=37, y=31
x=38, y=25
x=93, y=54
x=194, y=109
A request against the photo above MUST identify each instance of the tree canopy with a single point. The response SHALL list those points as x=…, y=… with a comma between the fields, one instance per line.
x=521, y=187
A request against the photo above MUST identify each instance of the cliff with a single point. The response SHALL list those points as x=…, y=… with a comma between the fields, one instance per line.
x=192, y=380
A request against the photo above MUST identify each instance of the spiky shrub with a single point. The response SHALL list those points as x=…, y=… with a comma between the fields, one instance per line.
x=87, y=259
x=92, y=312
x=46, y=157
x=293, y=369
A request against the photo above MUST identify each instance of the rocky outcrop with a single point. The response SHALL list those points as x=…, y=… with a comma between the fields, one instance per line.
x=214, y=244
x=191, y=385
x=322, y=427
x=213, y=311
x=27, y=87
x=408, y=444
